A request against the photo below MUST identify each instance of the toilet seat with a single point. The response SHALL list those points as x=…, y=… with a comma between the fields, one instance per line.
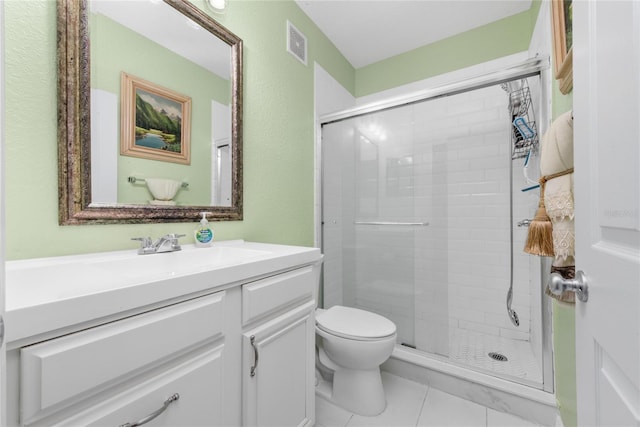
x=355, y=324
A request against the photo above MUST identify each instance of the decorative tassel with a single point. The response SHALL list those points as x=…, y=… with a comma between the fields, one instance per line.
x=540, y=237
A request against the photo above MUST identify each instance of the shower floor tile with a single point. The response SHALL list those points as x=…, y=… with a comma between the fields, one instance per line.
x=472, y=349
x=410, y=404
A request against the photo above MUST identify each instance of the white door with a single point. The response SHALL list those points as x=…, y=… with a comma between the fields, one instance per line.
x=607, y=200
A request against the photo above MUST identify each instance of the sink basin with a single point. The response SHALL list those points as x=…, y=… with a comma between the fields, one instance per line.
x=61, y=291
x=33, y=282
x=190, y=259
x=85, y=274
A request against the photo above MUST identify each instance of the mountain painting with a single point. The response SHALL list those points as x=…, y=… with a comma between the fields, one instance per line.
x=155, y=122
x=158, y=122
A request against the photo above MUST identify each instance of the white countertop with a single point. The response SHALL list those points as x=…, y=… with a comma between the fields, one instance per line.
x=48, y=294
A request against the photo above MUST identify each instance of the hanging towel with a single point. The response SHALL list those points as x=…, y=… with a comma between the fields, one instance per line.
x=558, y=200
x=556, y=158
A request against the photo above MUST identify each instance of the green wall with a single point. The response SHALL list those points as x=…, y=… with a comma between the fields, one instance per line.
x=564, y=348
x=495, y=40
x=278, y=133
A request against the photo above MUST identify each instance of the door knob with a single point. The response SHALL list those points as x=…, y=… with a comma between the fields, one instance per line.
x=558, y=284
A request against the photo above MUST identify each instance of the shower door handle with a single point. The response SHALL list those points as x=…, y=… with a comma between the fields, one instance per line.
x=558, y=284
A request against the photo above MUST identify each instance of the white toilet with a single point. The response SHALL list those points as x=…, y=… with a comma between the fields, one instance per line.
x=353, y=344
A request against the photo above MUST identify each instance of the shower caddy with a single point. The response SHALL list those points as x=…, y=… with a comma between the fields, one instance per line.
x=524, y=131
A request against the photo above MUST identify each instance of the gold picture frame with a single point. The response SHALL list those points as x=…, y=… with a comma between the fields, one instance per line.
x=155, y=122
x=563, y=43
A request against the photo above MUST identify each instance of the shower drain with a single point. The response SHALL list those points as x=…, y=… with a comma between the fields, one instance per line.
x=497, y=356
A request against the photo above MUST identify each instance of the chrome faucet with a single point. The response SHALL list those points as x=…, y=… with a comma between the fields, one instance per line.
x=166, y=243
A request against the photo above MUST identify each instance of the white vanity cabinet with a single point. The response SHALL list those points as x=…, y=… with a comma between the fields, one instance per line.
x=278, y=373
x=113, y=339
x=124, y=371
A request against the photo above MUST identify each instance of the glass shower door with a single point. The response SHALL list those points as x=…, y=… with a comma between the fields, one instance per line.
x=418, y=208
x=369, y=225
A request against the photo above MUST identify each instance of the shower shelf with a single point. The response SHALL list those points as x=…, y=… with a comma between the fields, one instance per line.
x=521, y=107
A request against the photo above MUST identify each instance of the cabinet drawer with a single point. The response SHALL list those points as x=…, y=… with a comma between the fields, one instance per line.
x=264, y=297
x=199, y=397
x=65, y=370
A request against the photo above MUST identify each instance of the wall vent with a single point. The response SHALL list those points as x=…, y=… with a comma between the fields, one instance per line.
x=296, y=43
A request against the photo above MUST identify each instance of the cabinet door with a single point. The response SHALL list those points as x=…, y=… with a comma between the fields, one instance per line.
x=278, y=370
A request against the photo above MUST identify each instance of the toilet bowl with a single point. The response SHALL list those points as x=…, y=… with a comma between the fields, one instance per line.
x=353, y=344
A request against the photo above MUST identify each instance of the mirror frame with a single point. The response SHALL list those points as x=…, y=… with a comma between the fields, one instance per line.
x=74, y=127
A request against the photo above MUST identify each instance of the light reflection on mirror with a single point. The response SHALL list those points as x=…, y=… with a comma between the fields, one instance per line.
x=153, y=41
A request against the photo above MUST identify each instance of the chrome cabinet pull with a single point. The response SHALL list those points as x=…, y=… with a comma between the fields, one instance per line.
x=154, y=414
x=252, y=339
x=557, y=285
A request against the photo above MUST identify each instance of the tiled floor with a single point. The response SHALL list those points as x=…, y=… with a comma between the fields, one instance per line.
x=417, y=405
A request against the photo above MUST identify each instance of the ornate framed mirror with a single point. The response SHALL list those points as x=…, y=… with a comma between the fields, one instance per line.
x=158, y=88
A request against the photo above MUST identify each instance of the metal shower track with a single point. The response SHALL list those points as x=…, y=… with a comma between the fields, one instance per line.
x=530, y=67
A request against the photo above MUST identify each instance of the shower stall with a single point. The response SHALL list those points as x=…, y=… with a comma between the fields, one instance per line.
x=425, y=207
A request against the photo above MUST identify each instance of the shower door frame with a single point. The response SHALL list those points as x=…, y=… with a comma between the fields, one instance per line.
x=528, y=68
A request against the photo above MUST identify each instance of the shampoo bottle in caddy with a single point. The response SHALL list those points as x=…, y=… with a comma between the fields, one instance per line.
x=203, y=234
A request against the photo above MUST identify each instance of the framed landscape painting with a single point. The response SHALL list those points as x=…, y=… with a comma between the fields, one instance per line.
x=155, y=122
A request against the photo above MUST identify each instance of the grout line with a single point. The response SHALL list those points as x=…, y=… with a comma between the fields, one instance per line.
x=424, y=402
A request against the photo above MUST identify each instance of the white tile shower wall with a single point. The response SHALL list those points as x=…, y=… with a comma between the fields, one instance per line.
x=447, y=172
x=470, y=176
x=439, y=171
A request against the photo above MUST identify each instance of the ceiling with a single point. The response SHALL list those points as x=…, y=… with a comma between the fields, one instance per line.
x=367, y=31
x=169, y=28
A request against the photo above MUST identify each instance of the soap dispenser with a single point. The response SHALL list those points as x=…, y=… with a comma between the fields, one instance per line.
x=203, y=234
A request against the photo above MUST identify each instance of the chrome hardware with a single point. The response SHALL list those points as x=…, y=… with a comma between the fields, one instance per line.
x=524, y=223
x=146, y=245
x=133, y=180
x=389, y=223
x=511, y=312
x=557, y=285
x=255, y=356
x=154, y=414
x=166, y=243
x=1, y=330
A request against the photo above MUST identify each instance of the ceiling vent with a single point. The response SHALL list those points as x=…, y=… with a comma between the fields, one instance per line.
x=296, y=43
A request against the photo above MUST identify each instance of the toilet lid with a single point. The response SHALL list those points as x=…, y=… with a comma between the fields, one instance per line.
x=352, y=322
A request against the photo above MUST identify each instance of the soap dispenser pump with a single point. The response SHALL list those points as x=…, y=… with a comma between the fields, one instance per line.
x=203, y=234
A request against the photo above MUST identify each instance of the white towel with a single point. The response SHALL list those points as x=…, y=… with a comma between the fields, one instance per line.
x=556, y=152
x=556, y=155
x=558, y=202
